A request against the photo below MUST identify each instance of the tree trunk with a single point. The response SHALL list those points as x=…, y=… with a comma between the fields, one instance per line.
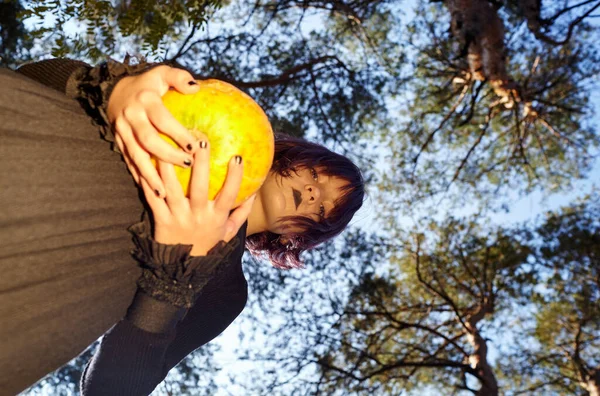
x=478, y=359
x=593, y=382
x=480, y=31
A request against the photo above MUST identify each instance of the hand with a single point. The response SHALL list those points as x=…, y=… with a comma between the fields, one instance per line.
x=136, y=110
x=196, y=220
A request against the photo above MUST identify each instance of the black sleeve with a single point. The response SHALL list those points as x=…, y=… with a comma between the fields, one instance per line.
x=132, y=362
x=128, y=362
x=214, y=311
x=137, y=353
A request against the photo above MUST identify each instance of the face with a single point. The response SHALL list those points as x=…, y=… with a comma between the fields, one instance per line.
x=307, y=193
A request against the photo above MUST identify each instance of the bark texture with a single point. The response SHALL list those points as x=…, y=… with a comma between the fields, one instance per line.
x=478, y=359
x=480, y=31
x=593, y=383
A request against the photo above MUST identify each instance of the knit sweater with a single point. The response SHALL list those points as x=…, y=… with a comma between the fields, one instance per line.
x=136, y=354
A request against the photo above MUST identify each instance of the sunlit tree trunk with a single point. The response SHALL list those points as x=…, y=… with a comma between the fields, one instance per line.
x=480, y=31
x=592, y=385
x=478, y=359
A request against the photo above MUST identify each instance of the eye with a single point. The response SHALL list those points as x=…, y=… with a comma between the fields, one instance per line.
x=314, y=174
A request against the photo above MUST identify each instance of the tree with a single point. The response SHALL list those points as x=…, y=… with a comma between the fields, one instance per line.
x=566, y=329
x=432, y=325
x=405, y=322
x=428, y=319
x=291, y=315
x=496, y=107
x=471, y=98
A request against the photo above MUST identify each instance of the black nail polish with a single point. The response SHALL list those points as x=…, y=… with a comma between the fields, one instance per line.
x=189, y=147
x=187, y=162
x=157, y=193
x=192, y=83
x=238, y=159
x=203, y=144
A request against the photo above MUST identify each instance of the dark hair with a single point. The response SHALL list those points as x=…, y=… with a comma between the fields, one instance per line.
x=293, y=154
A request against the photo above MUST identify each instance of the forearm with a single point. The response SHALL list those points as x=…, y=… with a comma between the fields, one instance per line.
x=128, y=362
x=131, y=359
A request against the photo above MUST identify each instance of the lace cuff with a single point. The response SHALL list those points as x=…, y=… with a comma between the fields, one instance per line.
x=95, y=85
x=170, y=274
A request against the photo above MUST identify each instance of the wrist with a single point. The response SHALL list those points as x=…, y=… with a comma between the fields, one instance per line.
x=170, y=273
x=174, y=238
x=198, y=251
x=117, y=93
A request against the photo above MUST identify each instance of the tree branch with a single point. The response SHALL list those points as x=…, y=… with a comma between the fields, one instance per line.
x=543, y=37
x=187, y=39
x=285, y=77
x=441, y=125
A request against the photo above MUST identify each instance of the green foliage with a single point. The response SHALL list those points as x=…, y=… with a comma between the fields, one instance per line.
x=370, y=83
x=404, y=327
x=409, y=333
x=566, y=329
x=96, y=29
x=298, y=314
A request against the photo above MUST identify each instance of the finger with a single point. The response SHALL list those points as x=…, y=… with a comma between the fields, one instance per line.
x=139, y=157
x=239, y=217
x=176, y=200
x=164, y=122
x=181, y=80
x=132, y=168
x=119, y=142
x=147, y=135
x=159, y=207
x=200, y=175
x=130, y=165
x=228, y=193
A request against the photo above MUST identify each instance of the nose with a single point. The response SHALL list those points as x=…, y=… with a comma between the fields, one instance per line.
x=312, y=193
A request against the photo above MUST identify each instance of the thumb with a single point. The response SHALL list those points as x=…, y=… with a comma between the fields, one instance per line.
x=239, y=217
x=181, y=80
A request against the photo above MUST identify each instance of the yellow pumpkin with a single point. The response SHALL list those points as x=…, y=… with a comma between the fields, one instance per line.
x=234, y=124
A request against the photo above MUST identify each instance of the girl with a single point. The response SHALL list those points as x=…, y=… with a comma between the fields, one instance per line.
x=68, y=272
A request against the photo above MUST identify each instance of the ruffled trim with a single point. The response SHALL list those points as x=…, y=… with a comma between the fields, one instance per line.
x=95, y=85
x=169, y=272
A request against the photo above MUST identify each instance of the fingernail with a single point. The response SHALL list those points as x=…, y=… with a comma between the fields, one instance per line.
x=189, y=147
x=203, y=144
x=238, y=159
x=187, y=162
x=192, y=82
x=157, y=193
